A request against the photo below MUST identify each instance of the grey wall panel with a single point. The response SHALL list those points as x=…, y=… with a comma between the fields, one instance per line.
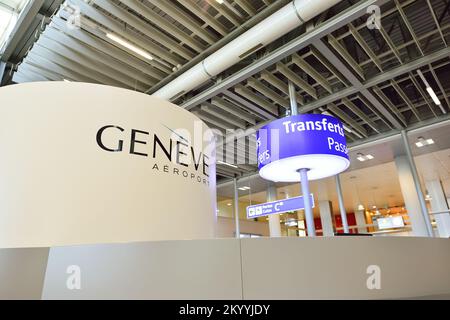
x=336, y=267
x=197, y=269
x=22, y=272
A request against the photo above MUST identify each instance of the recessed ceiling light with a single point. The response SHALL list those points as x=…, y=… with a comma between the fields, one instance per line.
x=361, y=157
x=220, y=1
x=229, y=204
x=226, y=164
x=244, y=188
x=422, y=142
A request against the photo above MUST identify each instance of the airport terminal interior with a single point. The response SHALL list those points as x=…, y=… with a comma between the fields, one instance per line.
x=380, y=67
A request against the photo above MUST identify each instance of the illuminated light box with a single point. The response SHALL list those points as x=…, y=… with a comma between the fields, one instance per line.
x=100, y=164
x=390, y=222
x=312, y=141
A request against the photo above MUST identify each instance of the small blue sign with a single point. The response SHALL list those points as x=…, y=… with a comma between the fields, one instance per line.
x=280, y=206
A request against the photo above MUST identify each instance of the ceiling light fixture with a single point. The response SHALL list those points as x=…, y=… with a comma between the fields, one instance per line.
x=129, y=46
x=291, y=223
x=226, y=164
x=361, y=157
x=244, y=188
x=220, y=1
x=431, y=91
x=422, y=142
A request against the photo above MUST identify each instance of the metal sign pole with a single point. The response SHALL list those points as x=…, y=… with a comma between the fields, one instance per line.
x=236, y=208
x=309, y=216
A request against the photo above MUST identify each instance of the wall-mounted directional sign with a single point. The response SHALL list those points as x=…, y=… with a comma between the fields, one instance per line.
x=280, y=206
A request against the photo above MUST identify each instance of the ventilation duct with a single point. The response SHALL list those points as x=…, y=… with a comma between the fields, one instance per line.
x=281, y=22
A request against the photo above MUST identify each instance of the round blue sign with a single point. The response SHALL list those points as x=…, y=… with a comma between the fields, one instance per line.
x=312, y=141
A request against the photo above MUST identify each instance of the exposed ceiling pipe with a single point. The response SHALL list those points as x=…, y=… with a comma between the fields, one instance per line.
x=281, y=22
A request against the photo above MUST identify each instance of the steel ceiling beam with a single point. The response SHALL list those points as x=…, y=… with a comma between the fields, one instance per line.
x=181, y=16
x=260, y=112
x=258, y=100
x=405, y=98
x=268, y=92
x=284, y=51
x=97, y=70
x=353, y=108
x=27, y=68
x=223, y=115
x=305, y=66
x=296, y=79
x=47, y=64
x=97, y=56
x=99, y=41
x=386, y=76
x=204, y=15
x=280, y=85
x=164, y=23
x=233, y=109
x=26, y=18
x=112, y=24
x=356, y=83
x=145, y=28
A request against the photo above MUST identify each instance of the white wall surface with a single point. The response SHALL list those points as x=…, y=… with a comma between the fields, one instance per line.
x=22, y=272
x=196, y=269
x=317, y=268
x=58, y=187
x=226, y=227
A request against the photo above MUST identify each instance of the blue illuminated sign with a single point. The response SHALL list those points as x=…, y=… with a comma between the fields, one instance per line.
x=280, y=206
x=313, y=141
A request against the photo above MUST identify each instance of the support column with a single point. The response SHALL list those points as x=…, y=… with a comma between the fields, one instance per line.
x=341, y=204
x=439, y=204
x=417, y=186
x=274, y=219
x=326, y=217
x=309, y=216
x=360, y=216
x=236, y=209
x=411, y=197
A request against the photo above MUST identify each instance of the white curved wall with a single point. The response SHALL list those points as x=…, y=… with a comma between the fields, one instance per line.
x=59, y=187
